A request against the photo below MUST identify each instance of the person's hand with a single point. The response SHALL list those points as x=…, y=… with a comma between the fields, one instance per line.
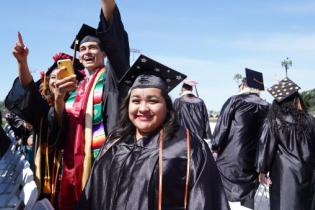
x=30, y=141
x=65, y=85
x=264, y=179
x=20, y=51
x=215, y=155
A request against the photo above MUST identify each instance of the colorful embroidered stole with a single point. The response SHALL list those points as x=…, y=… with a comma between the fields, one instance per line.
x=98, y=125
x=90, y=114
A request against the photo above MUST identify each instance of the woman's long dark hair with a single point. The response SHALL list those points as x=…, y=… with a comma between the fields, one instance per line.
x=293, y=106
x=125, y=127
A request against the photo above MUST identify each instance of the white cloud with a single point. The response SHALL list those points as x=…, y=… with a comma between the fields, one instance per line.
x=302, y=8
x=276, y=43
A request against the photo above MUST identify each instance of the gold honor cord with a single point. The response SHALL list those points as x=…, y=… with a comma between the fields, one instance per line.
x=160, y=169
x=47, y=185
x=55, y=174
x=187, y=169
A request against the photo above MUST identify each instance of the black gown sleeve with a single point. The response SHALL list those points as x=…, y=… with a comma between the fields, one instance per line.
x=207, y=132
x=206, y=191
x=116, y=46
x=26, y=102
x=176, y=106
x=221, y=131
x=267, y=146
x=116, y=43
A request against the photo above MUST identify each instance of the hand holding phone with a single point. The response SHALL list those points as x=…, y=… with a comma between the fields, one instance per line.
x=66, y=68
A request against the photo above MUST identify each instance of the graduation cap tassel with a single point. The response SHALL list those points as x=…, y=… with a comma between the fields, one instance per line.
x=196, y=91
x=75, y=50
x=47, y=183
x=44, y=83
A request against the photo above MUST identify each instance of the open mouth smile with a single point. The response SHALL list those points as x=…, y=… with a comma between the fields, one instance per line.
x=144, y=117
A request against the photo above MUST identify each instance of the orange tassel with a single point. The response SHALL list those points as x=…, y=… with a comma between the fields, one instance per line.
x=47, y=188
x=47, y=184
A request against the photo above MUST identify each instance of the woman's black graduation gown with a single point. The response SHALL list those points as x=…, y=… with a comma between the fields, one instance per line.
x=289, y=156
x=126, y=176
x=28, y=104
x=236, y=136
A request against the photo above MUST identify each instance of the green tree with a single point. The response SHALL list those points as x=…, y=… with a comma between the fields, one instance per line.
x=3, y=110
x=286, y=64
x=309, y=100
x=238, y=78
x=2, y=107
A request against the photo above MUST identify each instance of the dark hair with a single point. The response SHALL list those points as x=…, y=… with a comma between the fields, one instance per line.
x=293, y=106
x=125, y=127
x=47, y=94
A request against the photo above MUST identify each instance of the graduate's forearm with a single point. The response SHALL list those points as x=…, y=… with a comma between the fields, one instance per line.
x=108, y=7
x=59, y=109
x=25, y=76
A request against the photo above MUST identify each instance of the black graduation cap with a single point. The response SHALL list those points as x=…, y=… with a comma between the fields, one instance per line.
x=86, y=33
x=283, y=89
x=254, y=79
x=146, y=72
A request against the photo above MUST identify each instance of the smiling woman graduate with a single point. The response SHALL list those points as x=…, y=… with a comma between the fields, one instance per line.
x=148, y=161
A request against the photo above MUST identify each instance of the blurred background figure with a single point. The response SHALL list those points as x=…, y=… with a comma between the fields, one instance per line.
x=4, y=142
x=287, y=150
x=235, y=139
x=18, y=127
x=191, y=111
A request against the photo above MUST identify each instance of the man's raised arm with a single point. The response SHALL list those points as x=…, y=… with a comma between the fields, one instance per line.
x=108, y=7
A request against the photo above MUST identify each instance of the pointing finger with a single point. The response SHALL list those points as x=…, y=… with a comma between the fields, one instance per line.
x=20, y=39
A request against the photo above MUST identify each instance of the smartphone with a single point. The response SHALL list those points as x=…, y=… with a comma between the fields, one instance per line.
x=66, y=68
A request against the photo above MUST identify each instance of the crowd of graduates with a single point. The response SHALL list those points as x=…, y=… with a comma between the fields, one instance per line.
x=108, y=136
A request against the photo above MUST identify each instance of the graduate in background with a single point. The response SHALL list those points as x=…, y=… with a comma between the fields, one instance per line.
x=235, y=139
x=5, y=142
x=149, y=162
x=287, y=150
x=192, y=112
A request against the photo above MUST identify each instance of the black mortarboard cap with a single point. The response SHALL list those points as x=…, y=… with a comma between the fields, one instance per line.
x=86, y=33
x=283, y=89
x=146, y=72
x=254, y=79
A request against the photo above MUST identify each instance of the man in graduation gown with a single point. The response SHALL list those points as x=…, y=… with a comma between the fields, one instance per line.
x=88, y=115
x=235, y=139
x=287, y=150
x=192, y=112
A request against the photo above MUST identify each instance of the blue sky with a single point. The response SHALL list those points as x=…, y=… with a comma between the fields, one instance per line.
x=210, y=41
